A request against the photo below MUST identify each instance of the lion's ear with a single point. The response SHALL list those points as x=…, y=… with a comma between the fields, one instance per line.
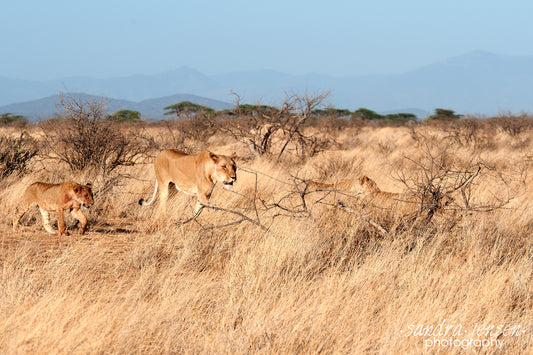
x=233, y=156
x=213, y=156
x=89, y=185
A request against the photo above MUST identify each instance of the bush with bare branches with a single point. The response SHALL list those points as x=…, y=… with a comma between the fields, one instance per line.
x=274, y=132
x=473, y=132
x=196, y=128
x=440, y=182
x=83, y=136
x=15, y=154
x=513, y=124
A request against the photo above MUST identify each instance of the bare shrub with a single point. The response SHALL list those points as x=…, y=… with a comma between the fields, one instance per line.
x=421, y=135
x=15, y=154
x=472, y=132
x=84, y=137
x=436, y=184
x=330, y=123
x=441, y=182
x=186, y=131
x=513, y=124
x=269, y=131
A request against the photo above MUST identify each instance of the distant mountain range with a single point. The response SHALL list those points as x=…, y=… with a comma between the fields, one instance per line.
x=151, y=109
x=477, y=82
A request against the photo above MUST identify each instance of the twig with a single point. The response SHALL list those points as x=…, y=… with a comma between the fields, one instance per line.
x=380, y=229
x=244, y=217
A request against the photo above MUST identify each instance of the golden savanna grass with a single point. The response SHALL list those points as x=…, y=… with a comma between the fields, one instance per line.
x=326, y=281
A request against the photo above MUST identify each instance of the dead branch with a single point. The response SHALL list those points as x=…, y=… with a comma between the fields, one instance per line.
x=437, y=178
x=379, y=228
x=271, y=131
x=243, y=217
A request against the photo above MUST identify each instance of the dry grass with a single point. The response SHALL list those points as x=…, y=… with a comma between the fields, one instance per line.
x=326, y=281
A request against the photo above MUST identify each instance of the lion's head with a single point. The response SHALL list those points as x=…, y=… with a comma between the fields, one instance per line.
x=369, y=184
x=225, y=169
x=84, y=194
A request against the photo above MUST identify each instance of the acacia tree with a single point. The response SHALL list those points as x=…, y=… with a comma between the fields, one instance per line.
x=187, y=109
x=332, y=112
x=444, y=115
x=9, y=118
x=400, y=117
x=366, y=115
x=126, y=116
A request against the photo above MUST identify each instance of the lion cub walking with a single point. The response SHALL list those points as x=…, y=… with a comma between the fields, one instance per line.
x=55, y=198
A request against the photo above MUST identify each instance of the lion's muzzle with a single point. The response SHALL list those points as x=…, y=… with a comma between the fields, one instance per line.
x=229, y=184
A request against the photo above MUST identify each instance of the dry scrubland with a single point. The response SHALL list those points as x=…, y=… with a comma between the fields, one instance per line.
x=322, y=280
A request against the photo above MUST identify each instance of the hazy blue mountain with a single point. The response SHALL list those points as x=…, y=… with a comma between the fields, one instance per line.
x=141, y=87
x=477, y=82
x=150, y=109
x=16, y=90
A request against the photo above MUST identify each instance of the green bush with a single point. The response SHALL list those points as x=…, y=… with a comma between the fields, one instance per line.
x=444, y=115
x=9, y=119
x=126, y=116
x=186, y=108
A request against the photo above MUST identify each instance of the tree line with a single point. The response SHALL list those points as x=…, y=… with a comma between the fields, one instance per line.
x=187, y=109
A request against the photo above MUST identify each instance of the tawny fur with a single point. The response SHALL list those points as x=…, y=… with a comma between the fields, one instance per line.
x=362, y=185
x=192, y=174
x=55, y=198
x=372, y=195
x=368, y=191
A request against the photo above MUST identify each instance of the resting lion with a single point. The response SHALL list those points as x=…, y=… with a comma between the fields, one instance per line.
x=56, y=198
x=362, y=185
x=408, y=201
x=366, y=189
x=372, y=196
x=192, y=174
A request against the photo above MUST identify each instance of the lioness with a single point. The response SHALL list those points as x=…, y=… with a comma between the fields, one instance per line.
x=407, y=201
x=55, y=198
x=192, y=174
x=362, y=185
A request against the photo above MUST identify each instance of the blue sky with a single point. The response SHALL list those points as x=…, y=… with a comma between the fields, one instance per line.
x=54, y=39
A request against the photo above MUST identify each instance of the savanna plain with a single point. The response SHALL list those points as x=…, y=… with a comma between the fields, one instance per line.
x=443, y=264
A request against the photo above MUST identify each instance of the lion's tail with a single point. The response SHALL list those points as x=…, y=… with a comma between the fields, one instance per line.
x=142, y=202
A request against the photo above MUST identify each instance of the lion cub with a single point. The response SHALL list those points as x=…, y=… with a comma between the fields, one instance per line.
x=55, y=198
